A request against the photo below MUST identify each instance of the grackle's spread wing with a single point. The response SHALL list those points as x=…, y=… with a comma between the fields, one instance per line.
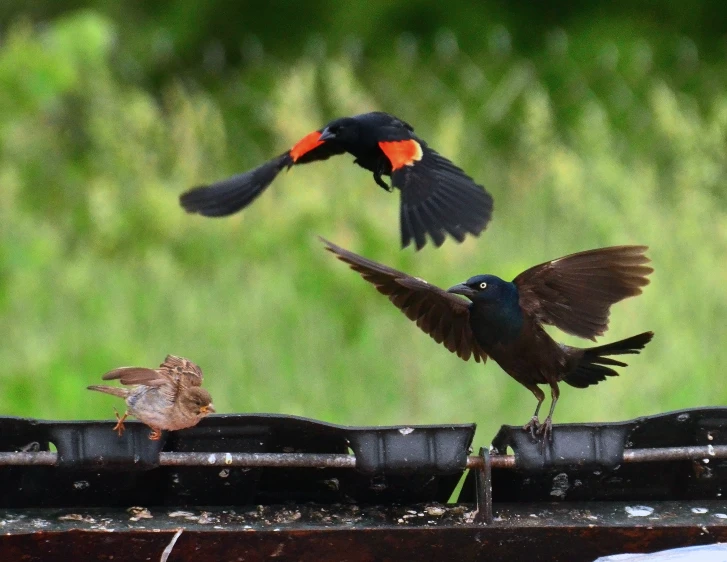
x=575, y=292
x=445, y=317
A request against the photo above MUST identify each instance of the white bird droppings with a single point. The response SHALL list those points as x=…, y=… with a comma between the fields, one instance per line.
x=639, y=510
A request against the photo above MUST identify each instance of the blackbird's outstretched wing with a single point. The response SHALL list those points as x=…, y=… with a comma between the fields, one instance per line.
x=442, y=315
x=233, y=194
x=437, y=197
x=575, y=293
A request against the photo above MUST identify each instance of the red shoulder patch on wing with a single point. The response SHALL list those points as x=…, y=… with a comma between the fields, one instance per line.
x=401, y=153
x=306, y=144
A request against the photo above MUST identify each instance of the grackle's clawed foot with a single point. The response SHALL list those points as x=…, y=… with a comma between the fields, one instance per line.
x=119, y=427
x=533, y=426
x=156, y=434
x=546, y=430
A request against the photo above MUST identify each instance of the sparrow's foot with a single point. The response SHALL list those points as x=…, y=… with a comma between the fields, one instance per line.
x=533, y=426
x=119, y=427
x=156, y=434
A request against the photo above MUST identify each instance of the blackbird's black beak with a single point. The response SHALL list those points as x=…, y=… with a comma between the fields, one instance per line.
x=462, y=289
x=327, y=135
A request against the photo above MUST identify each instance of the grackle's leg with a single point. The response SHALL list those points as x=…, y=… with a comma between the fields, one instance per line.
x=534, y=423
x=547, y=428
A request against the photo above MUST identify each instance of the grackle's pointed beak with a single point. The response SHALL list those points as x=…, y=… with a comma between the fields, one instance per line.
x=462, y=289
x=327, y=135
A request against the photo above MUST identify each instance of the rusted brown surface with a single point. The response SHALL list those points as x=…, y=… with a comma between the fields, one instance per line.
x=532, y=533
x=352, y=545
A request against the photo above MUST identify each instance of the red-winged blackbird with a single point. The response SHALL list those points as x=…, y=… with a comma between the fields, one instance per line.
x=505, y=319
x=437, y=198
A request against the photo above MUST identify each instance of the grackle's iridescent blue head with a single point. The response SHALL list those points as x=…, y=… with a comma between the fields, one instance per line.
x=495, y=308
x=487, y=289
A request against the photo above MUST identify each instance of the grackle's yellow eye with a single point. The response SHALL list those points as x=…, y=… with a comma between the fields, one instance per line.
x=483, y=285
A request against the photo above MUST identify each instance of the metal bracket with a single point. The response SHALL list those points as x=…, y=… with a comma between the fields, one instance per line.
x=484, y=489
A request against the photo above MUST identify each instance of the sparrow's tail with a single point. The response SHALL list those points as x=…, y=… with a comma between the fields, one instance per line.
x=592, y=369
x=229, y=196
x=115, y=390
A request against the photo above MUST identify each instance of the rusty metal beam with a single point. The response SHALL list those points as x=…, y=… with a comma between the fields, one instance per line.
x=578, y=532
x=287, y=460
x=676, y=453
x=40, y=458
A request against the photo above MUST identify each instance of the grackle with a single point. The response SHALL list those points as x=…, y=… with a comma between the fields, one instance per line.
x=437, y=198
x=505, y=319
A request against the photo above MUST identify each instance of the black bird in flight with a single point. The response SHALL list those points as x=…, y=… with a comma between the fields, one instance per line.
x=437, y=198
x=505, y=319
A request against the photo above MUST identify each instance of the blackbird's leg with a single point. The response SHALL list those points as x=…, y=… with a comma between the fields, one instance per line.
x=119, y=427
x=378, y=172
x=534, y=423
x=547, y=428
x=156, y=434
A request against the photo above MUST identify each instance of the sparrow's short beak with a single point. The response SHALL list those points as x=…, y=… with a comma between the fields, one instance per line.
x=327, y=135
x=208, y=409
x=462, y=289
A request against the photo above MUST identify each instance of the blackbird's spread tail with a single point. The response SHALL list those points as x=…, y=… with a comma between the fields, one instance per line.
x=592, y=367
x=229, y=196
x=114, y=390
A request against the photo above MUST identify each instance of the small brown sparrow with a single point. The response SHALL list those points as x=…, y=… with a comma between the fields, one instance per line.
x=169, y=397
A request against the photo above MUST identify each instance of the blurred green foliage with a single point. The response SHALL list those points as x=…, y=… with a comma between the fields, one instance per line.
x=164, y=36
x=592, y=140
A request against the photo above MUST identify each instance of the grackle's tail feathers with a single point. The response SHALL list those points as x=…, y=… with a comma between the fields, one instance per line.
x=594, y=363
